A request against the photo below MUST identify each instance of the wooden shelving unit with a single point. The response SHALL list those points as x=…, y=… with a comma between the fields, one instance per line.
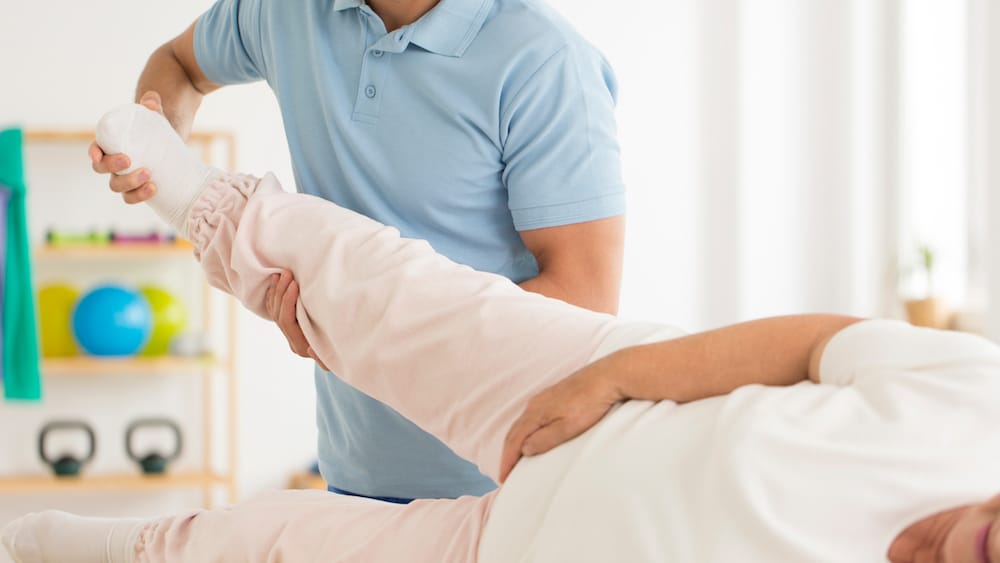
x=208, y=478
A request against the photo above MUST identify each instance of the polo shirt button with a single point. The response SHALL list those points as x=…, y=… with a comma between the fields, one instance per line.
x=377, y=53
x=370, y=91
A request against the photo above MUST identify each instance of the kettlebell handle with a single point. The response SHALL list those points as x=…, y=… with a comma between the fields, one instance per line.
x=67, y=425
x=153, y=422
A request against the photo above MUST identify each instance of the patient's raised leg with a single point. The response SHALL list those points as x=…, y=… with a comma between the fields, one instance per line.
x=456, y=351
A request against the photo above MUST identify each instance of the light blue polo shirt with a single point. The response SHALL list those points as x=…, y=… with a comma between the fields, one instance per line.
x=482, y=119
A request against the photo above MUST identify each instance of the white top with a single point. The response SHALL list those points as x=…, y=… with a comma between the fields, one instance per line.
x=905, y=424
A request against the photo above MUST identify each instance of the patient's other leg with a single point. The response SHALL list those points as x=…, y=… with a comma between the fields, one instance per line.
x=456, y=351
x=58, y=536
x=277, y=526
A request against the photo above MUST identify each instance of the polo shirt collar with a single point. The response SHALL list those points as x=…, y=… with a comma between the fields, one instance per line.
x=448, y=29
x=451, y=26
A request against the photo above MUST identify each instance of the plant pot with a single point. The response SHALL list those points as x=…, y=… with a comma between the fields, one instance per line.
x=930, y=312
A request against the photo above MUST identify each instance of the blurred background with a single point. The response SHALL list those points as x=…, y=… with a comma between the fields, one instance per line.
x=781, y=156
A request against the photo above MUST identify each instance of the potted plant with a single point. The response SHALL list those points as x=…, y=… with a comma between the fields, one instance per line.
x=929, y=310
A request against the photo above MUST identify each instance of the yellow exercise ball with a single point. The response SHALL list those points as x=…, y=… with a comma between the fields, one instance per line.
x=55, y=319
x=169, y=319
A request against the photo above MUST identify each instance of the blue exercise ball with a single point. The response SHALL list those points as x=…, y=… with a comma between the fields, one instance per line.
x=112, y=320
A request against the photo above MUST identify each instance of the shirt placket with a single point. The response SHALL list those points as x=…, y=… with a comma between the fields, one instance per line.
x=375, y=63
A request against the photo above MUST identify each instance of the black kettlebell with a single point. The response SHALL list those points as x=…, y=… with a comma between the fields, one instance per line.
x=153, y=463
x=67, y=465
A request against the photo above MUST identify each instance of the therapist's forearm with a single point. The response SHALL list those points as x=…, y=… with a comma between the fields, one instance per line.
x=165, y=75
x=775, y=351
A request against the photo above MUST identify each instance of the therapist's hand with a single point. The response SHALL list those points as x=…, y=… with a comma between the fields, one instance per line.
x=561, y=412
x=281, y=299
x=134, y=187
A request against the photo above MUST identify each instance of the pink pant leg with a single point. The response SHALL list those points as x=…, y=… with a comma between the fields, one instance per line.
x=320, y=526
x=457, y=351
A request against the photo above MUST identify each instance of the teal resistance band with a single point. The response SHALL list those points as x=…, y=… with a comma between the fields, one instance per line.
x=21, y=374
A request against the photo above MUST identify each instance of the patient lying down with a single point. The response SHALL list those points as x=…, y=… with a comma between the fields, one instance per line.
x=796, y=439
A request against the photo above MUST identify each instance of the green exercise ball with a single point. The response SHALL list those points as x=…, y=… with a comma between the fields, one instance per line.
x=55, y=314
x=169, y=319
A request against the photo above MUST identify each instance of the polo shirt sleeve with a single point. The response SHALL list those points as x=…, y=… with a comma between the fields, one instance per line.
x=227, y=42
x=885, y=348
x=560, y=147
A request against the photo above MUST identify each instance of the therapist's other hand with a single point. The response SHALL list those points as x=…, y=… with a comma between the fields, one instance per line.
x=561, y=412
x=281, y=299
x=134, y=187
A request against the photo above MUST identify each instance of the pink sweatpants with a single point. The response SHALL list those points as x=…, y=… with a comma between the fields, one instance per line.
x=458, y=352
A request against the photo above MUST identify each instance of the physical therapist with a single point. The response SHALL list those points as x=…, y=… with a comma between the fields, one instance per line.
x=483, y=126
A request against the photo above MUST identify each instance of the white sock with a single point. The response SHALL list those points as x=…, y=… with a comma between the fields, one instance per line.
x=59, y=537
x=151, y=143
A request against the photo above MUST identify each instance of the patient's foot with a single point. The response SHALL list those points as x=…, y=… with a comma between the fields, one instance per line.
x=59, y=537
x=150, y=142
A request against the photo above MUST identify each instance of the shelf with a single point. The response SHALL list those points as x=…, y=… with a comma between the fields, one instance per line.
x=88, y=135
x=72, y=253
x=124, y=250
x=122, y=482
x=89, y=365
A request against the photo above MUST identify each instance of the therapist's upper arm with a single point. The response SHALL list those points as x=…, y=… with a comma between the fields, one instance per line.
x=579, y=263
x=562, y=172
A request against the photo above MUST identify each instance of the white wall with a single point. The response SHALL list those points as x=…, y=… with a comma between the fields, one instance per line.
x=989, y=186
x=757, y=149
x=64, y=65
x=934, y=143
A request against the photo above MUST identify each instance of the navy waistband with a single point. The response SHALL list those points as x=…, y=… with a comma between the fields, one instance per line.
x=395, y=500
